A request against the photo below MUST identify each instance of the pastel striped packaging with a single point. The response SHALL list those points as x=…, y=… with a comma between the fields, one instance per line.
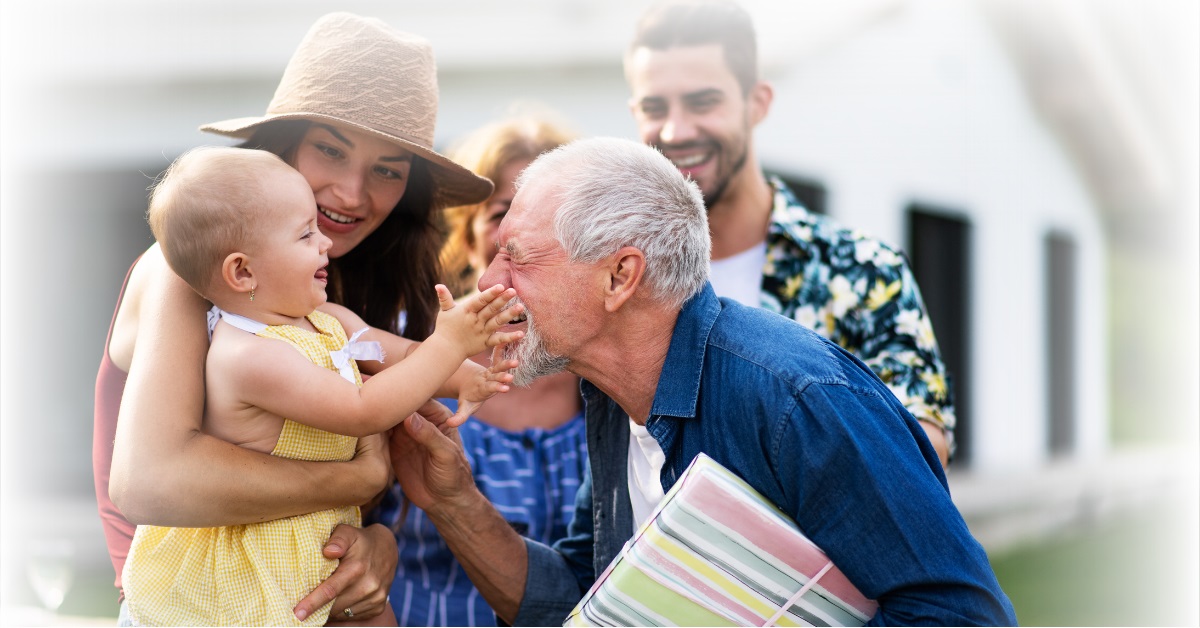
x=717, y=553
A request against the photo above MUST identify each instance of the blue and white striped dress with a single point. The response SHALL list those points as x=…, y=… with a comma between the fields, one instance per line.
x=530, y=476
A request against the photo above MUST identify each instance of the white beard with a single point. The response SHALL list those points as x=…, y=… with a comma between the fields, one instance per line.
x=533, y=359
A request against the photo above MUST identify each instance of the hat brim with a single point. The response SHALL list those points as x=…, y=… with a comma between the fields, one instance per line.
x=453, y=184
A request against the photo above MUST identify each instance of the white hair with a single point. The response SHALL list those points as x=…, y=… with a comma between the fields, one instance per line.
x=614, y=193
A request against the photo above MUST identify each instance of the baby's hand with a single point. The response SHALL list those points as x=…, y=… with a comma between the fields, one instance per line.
x=473, y=324
x=489, y=381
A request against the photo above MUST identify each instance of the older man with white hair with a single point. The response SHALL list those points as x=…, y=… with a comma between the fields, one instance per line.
x=607, y=246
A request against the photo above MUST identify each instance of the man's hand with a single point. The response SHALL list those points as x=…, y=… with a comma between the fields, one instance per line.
x=428, y=459
x=362, y=578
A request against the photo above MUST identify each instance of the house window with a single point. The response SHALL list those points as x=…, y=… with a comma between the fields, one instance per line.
x=939, y=249
x=1060, y=255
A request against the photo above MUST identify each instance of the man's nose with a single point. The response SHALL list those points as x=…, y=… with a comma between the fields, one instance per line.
x=492, y=275
x=677, y=128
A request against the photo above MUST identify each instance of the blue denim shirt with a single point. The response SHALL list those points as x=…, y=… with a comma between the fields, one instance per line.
x=812, y=429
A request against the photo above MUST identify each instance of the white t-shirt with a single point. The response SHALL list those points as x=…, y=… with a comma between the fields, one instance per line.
x=646, y=460
x=739, y=277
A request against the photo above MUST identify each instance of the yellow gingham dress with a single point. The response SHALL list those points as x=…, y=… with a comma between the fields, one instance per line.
x=247, y=574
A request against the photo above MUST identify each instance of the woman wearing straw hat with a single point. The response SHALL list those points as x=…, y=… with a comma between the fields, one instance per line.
x=355, y=114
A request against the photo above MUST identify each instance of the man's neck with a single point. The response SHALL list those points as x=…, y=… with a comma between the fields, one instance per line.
x=740, y=218
x=628, y=367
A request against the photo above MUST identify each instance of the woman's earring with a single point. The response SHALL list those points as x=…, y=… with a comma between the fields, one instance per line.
x=252, y=294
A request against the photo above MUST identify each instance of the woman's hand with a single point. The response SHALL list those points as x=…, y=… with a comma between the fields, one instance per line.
x=368, y=555
x=372, y=463
x=362, y=579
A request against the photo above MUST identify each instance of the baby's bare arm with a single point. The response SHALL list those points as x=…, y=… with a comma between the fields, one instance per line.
x=276, y=378
x=438, y=366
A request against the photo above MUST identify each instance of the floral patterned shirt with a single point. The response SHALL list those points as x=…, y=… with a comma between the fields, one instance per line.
x=861, y=294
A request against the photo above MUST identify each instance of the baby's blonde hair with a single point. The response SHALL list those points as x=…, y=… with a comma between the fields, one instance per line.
x=206, y=206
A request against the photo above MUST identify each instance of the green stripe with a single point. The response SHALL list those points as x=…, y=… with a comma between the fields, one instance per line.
x=632, y=587
x=701, y=536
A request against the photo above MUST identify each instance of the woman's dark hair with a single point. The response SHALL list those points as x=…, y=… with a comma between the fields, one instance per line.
x=393, y=269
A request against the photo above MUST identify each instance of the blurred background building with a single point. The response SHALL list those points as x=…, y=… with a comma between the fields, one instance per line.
x=1036, y=160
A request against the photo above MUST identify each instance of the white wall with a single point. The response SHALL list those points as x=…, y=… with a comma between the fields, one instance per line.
x=922, y=105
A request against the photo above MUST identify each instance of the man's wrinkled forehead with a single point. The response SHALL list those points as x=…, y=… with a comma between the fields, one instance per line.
x=528, y=221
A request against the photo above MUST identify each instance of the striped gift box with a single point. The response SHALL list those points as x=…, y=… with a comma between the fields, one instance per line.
x=717, y=553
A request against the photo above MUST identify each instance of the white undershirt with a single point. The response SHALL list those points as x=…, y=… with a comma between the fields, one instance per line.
x=646, y=460
x=739, y=277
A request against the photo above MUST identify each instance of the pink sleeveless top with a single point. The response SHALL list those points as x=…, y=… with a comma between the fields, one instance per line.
x=110, y=385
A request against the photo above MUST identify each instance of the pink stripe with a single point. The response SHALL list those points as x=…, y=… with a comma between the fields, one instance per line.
x=791, y=601
x=715, y=502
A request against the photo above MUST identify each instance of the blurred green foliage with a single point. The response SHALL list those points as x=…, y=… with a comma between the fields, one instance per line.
x=1134, y=570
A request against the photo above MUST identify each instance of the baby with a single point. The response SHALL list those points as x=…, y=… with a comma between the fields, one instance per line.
x=240, y=226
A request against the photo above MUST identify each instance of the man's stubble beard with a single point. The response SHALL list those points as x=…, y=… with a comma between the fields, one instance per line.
x=533, y=359
x=711, y=199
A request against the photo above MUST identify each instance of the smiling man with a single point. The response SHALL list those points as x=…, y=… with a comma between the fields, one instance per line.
x=606, y=245
x=697, y=97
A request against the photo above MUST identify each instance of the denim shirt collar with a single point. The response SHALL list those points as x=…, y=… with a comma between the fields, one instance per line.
x=679, y=383
x=678, y=388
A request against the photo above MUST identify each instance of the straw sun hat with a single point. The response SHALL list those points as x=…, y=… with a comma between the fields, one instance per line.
x=361, y=72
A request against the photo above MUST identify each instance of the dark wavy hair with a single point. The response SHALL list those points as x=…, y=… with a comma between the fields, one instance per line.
x=394, y=268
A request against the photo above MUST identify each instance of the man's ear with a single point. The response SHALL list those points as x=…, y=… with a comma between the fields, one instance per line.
x=758, y=101
x=237, y=274
x=625, y=270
